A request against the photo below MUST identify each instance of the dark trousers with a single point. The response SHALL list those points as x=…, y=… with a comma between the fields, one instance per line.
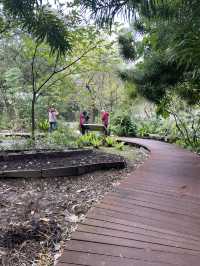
x=106, y=131
x=52, y=126
x=83, y=129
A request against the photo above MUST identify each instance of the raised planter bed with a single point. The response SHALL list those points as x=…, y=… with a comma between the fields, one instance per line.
x=19, y=134
x=27, y=154
x=57, y=163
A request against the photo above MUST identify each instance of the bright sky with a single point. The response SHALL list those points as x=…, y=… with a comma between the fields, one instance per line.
x=118, y=19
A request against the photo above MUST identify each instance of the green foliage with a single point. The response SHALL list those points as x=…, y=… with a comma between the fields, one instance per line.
x=152, y=126
x=184, y=144
x=168, y=51
x=43, y=125
x=144, y=130
x=84, y=140
x=63, y=137
x=89, y=139
x=127, y=46
x=122, y=125
x=92, y=139
x=96, y=142
x=65, y=89
x=105, y=11
x=110, y=141
x=119, y=146
x=153, y=77
x=175, y=120
x=40, y=21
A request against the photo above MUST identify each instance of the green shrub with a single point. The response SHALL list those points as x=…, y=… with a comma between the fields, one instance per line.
x=143, y=130
x=60, y=138
x=122, y=125
x=154, y=125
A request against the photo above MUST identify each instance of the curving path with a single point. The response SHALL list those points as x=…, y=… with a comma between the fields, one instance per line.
x=153, y=219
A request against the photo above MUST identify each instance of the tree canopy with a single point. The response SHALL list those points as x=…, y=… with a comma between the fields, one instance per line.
x=37, y=18
x=167, y=52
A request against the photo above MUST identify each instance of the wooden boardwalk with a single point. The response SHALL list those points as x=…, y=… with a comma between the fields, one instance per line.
x=153, y=219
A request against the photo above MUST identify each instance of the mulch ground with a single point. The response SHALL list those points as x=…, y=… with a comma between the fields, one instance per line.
x=37, y=215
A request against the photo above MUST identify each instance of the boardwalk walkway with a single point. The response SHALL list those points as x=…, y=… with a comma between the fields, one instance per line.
x=153, y=219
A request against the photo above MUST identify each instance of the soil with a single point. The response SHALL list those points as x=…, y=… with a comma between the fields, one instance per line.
x=38, y=215
x=63, y=161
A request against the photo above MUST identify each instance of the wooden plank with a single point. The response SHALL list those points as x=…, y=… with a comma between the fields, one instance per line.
x=89, y=259
x=149, y=221
x=155, y=197
x=124, y=242
x=101, y=230
x=177, y=194
x=152, y=210
x=182, y=210
x=153, y=229
x=163, y=236
x=132, y=253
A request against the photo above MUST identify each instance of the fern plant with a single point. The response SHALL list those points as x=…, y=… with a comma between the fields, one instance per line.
x=43, y=125
x=110, y=142
x=119, y=146
x=96, y=143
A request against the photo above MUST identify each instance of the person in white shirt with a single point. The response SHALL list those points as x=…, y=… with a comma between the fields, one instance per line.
x=53, y=113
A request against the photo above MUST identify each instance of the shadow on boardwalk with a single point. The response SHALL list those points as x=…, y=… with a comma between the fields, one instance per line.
x=153, y=218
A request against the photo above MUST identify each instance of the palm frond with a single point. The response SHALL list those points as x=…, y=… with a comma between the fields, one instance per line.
x=105, y=11
x=40, y=21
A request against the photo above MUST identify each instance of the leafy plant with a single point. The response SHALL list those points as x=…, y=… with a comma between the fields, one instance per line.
x=96, y=143
x=84, y=141
x=64, y=137
x=110, y=141
x=90, y=139
x=119, y=146
x=43, y=125
x=122, y=125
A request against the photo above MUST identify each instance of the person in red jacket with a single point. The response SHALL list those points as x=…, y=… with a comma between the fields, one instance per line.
x=105, y=119
x=83, y=120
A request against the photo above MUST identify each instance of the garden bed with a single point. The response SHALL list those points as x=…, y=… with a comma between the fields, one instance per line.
x=61, y=163
x=38, y=214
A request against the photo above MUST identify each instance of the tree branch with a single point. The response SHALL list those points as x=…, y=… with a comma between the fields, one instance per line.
x=64, y=68
x=60, y=79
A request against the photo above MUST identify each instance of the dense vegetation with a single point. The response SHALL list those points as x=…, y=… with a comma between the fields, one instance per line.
x=146, y=75
x=163, y=44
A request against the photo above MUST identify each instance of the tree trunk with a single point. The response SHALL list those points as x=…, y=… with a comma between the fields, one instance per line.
x=33, y=117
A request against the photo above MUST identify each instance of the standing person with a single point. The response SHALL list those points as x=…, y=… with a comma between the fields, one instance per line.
x=52, y=113
x=82, y=122
x=86, y=117
x=105, y=119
